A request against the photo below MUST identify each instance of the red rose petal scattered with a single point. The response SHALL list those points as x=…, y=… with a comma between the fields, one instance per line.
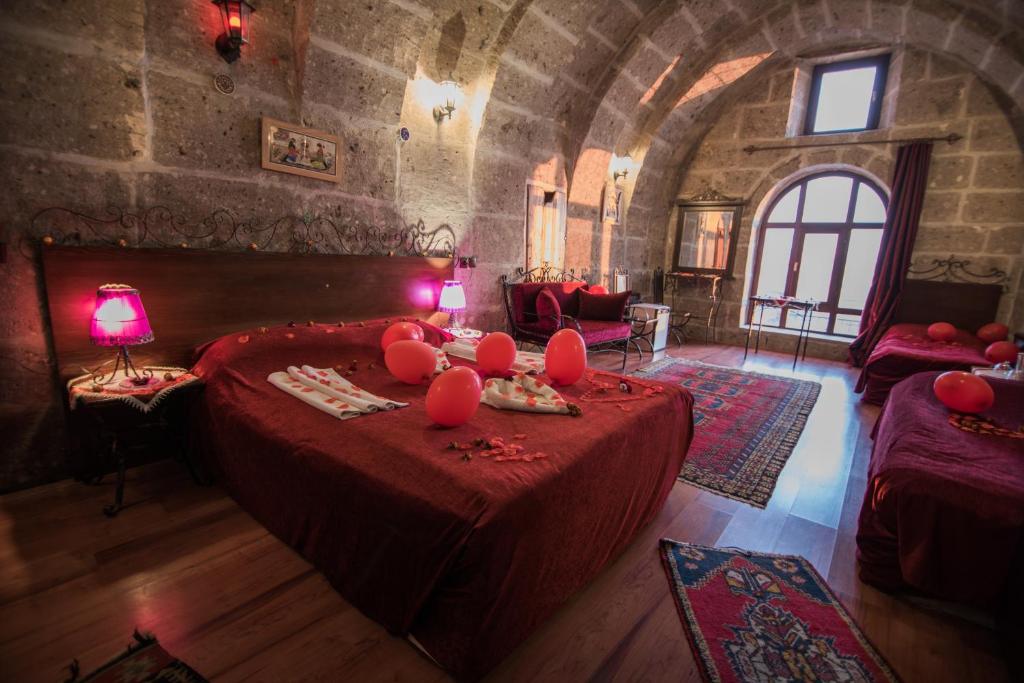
x=519, y=436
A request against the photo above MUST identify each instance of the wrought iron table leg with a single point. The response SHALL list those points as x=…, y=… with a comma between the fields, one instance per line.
x=801, y=338
x=112, y=510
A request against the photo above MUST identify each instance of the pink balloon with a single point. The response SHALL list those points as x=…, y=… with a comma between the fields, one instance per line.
x=400, y=331
x=963, y=392
x=454, y=396
x=496, y=353
x=565, y=358
x=1001, y=352
x=597, y=289
x=410, y=361
x=993, y=332
x=942, y=332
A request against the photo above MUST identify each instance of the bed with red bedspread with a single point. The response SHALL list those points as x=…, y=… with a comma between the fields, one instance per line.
x=468, y=557
x=943, y=513
x=907, y=349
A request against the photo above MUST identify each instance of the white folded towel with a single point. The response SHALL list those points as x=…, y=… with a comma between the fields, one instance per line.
x=331, y=383
x=326, y=390
x=317, y=399
x=525, y=393
x=526, y=362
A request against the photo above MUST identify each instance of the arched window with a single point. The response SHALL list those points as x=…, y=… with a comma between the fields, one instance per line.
x=820, y=240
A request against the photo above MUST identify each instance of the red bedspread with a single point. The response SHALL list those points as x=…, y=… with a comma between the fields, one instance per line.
x=907, y=349
x=468, y=557
x=944, y=509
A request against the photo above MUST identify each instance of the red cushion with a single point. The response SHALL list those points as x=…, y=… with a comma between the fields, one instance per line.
x=603, y=306
x=549, y=312
x=598, y=331
x=524, y=298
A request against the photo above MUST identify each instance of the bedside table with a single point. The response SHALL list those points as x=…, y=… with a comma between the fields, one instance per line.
x=464, y=332
x=107, y=421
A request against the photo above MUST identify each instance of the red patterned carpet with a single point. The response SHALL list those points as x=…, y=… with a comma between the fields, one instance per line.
x=753, y=617
x=745, y=425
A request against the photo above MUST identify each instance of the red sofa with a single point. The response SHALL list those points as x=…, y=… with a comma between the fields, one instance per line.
x=526, y=325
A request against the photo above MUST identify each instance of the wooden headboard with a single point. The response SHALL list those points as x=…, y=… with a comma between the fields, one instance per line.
x=193, y=296
x=966, y=305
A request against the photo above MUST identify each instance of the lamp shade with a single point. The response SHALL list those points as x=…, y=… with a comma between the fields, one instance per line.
x=119, y=318
x=453, y=297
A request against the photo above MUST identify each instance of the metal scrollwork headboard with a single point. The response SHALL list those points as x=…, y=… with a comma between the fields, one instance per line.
x=544, y=273
x=954, y=269
x=159, y=226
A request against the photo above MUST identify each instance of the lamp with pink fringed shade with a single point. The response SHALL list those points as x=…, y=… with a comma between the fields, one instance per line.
x=119, y=319
x=453, y=301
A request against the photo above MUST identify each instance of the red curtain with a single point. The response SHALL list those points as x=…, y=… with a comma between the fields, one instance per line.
x=908, y=186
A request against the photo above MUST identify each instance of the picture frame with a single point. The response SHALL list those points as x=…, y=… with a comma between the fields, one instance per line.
x=611, y=204
x=298, y=150
x=706, y=233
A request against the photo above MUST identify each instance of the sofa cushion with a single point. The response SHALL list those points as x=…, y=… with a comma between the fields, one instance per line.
x=549, y=312
x=603, y=306
x=600, y=331
x=524, y=298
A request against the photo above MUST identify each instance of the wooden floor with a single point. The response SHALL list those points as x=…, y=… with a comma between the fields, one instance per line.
x=187, y=564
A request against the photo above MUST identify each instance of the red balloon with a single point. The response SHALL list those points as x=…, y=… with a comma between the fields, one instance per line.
x=400, y=331
x=993, y=332
x=963, y=392
x=496, y=353
x=565, y=357
x=454, y=396
x=943, y=332
x=1001, y=351
x=597, y=289
x=410, y=361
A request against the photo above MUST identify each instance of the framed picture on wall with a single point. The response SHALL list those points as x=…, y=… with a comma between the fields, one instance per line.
x=706, y=234
x=302, y=151
x=610, y=206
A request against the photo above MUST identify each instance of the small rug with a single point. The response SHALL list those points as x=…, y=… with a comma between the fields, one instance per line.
x=745, y=425
x=143, y=662
x=754, y=617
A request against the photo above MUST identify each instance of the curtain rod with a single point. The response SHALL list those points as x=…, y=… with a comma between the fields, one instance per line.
x=951, y=138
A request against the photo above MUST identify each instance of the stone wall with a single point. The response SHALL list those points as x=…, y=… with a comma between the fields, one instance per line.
x=974, y=204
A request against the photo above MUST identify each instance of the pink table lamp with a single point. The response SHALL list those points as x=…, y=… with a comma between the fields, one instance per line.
x=119, y=319
x=453, y=301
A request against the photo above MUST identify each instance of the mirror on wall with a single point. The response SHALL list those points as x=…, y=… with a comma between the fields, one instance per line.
x=706, y=234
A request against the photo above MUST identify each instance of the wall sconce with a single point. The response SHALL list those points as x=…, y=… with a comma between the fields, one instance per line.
x=234, y=15
x=449, y=92
x=620, y=167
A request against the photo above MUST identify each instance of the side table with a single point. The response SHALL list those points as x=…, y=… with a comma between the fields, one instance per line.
x=107, y=420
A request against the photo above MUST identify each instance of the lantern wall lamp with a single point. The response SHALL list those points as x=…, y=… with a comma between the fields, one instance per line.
x=234, y=16
x=449, y=91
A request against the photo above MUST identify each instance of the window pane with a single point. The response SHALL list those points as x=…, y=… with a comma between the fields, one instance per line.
x=828, y=199
x=795, y=318
x=816, y=263
x=860, y=268
x=772, y=316
x=778, y=243
x=844, y=100
x=785, y=210
x=847, y=325
x=870, y=208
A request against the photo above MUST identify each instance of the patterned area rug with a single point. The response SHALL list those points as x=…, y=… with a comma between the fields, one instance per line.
x=143, y=662
x=745, y=425
x=753, y=617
